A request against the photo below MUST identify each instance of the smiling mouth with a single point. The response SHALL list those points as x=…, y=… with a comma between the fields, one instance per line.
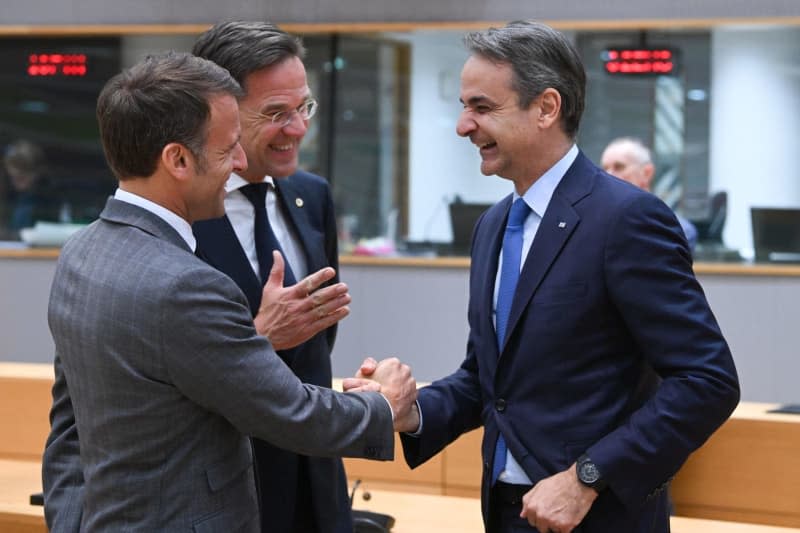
x=282, y=147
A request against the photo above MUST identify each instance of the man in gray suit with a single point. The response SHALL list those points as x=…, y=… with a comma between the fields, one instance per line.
x=159, y=368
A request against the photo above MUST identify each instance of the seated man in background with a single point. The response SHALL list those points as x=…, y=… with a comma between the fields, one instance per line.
x=629, y=159
x=28, y=194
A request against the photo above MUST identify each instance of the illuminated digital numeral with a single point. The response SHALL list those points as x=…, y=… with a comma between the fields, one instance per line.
x=639, y=61
x=55, y=64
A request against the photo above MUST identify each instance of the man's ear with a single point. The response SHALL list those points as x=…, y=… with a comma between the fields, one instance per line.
x=549, y=107
x=648, y=171
x=177, y=160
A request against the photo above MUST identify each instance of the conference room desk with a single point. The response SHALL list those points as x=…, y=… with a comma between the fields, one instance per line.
x=413, y=513
x=18, y=480
x=427, y=513
x=24, y=407
x=748, y=471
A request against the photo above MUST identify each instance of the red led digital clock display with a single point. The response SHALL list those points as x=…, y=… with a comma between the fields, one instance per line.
x=659, y=61
x=57, y=65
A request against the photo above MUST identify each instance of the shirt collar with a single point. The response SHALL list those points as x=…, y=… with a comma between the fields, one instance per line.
x=180, y=225
x=539, y=194
x=236, y=182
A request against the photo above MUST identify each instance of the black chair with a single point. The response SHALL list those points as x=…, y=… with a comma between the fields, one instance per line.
x=709, y=229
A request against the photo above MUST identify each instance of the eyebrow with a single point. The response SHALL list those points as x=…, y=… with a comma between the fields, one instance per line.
x=475, y=100
x=283, y=106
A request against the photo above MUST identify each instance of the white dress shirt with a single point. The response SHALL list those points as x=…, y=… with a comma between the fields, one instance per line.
x=180, y=225
x=538, y=198
x=242, y=216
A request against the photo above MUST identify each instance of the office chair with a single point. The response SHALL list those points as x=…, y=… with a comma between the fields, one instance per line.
x=718, y=212
x=709, y=229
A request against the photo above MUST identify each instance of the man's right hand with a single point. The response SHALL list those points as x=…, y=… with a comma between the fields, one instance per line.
x=289, y=316
x=394, y=380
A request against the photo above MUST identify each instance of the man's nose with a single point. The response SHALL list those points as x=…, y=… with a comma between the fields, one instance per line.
x=296, y=126
x=239, y=160
x=465, y=125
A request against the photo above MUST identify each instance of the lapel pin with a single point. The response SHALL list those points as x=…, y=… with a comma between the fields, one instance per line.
x=298, y=202
x=562, y=225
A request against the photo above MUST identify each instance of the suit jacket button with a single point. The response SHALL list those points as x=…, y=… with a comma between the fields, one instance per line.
x=500, y=405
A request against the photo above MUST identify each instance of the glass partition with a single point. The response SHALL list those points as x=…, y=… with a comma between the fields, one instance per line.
x=385, y=133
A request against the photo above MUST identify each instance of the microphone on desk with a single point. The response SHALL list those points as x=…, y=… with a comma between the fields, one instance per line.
x=368, y=521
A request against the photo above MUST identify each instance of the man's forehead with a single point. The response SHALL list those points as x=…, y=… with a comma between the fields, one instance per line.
x=281, y=96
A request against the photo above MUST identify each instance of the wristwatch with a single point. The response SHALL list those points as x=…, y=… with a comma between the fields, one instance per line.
x=588, y=474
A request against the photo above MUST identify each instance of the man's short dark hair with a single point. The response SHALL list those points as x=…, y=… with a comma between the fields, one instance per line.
x=246, y=47
x=160, y=100
x=540, y=57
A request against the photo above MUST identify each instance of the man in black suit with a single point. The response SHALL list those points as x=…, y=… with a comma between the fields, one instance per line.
x=272, y=205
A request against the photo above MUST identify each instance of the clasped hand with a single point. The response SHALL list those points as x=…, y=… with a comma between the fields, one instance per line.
x=394, y=380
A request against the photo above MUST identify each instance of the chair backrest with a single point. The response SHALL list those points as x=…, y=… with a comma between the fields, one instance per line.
x=718, y=212
x=709, y=228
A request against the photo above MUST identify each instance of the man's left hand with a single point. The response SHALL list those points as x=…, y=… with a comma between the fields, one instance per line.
x=558, y=503
x=289, y=316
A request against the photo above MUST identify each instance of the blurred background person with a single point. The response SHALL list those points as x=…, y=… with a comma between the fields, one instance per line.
x=629, y=159
x=27, y=196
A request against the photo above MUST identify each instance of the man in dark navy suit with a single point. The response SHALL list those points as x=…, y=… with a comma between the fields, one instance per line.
x=273, y=206
x=594, y=363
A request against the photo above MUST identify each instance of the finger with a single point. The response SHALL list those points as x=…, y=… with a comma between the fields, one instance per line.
x=360, y=385
x=275, y=279
x=327, y=294
x=368, y=367
x=332, y=306
x=312, y=282
x=332, y=318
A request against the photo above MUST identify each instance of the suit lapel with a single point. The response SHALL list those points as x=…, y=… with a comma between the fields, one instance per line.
x=559, y=222
x=495, y=224
x=120, y=212
x=220, y=247
x=293, y=202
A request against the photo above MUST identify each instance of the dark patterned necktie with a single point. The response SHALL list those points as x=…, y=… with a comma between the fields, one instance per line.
x=265, y=238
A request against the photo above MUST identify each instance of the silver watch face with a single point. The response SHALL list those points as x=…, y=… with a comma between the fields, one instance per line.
x=589, y=473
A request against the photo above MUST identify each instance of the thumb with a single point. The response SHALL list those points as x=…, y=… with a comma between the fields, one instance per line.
x=275, y=279
x=367, y=368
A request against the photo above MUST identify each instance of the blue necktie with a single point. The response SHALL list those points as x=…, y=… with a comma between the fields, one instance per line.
x=265, y=238
x=509, y=275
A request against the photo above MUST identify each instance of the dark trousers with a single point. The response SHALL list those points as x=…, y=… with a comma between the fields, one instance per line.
x=505, y=504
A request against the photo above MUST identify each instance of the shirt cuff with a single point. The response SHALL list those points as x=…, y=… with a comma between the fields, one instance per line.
x=389, y=404
x=418, y=432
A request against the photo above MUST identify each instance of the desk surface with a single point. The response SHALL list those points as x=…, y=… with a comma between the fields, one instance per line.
x=18, y=480
x=414, y=513
x=709, y=268
x=26, y=370
x=422, y=513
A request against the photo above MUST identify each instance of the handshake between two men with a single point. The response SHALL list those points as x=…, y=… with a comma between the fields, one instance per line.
x=290, y=316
